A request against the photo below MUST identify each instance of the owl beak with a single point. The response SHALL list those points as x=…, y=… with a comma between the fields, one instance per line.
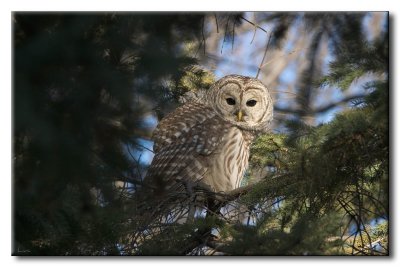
x=239, y=115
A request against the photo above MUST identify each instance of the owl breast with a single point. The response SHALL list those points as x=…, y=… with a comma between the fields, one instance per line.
x=227, y=167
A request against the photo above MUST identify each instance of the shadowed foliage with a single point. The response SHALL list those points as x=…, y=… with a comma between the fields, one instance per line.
x=87, y=86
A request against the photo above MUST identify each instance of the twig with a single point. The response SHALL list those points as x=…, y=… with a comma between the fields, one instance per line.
x=226, y=29
x=145, y=148
x=323, y=108
x=233, y=33
x=204, y=39
x=137, y=161
x=216, y=21
x=223, y=198
x=217, y=246
x=254, y=35
x=265, y=53
x=255, y=25
x=272, y=60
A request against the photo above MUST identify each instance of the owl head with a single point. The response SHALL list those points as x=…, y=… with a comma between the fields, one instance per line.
x=243, y=101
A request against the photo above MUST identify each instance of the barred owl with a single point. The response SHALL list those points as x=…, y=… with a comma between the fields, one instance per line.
x=207, y=140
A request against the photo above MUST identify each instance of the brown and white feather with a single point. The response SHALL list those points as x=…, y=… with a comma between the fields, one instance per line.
x=198, y=143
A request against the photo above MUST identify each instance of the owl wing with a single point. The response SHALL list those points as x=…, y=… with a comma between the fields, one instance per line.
x=183, y=139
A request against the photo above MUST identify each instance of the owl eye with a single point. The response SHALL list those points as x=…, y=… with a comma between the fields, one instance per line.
x=230, y=101
x=251, y=103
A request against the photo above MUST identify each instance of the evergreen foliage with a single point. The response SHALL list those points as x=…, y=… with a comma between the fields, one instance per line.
x=81, y=82
x=84, y=85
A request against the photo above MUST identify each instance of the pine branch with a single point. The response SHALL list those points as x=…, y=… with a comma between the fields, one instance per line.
x=324, y=108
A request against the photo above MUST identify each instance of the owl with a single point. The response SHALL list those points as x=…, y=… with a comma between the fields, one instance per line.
x=207, y=140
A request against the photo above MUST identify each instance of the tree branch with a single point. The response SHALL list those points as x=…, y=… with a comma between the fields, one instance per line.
x=265, y=53
x=321, y=109
x=255, y=25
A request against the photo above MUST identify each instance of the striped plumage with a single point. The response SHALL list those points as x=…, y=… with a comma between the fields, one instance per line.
x=206, y=140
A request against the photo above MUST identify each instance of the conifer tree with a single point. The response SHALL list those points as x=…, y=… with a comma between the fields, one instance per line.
x=84, y=86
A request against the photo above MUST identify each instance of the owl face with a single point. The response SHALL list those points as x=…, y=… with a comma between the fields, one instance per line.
x=243, y=101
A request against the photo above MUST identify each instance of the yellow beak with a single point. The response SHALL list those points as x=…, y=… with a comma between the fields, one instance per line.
x=239, y=115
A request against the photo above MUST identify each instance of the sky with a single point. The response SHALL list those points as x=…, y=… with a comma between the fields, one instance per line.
x=243, y=59
x=234, y=62
x=123, y=5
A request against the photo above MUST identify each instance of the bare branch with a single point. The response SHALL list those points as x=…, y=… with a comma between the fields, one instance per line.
x=255, y=25
x=254, y=35
x=202, y=35
x=216, y=22
x=321, y=109
x=265, y=53
x=225, y=33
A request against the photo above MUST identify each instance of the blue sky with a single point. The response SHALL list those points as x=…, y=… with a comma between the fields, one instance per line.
x=244, y=59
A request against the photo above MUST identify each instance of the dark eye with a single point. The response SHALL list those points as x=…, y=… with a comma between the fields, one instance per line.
x=251, y=103
x=230, y=101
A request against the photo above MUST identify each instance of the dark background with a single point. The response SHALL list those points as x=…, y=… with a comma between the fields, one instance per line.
x=88, y=89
